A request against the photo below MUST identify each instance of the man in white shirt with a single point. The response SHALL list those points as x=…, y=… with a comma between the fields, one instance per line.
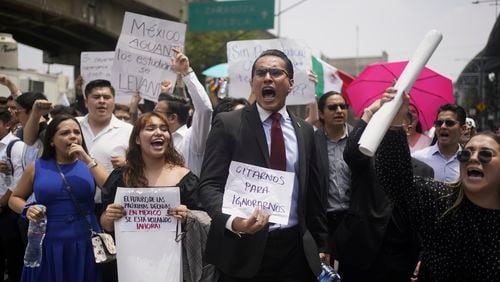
x=442, y=156
x=189, y=142
x=106, y=136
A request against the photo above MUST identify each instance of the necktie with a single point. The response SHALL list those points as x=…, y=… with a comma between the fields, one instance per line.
x=278, y=155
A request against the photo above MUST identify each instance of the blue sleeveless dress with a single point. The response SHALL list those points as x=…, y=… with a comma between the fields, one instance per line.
x=67, y=249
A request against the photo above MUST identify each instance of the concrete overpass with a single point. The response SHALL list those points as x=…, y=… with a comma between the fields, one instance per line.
x=64, y=28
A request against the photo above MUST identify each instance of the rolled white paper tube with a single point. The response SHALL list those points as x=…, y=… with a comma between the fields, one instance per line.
x=381, y=120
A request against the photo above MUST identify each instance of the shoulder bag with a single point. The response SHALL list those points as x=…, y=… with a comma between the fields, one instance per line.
x=102, y=243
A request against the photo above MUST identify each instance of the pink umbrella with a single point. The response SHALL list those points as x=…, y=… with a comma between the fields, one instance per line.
x=429, y=92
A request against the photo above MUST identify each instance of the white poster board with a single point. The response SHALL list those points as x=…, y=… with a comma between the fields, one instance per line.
x=145, y=237
x=249, y=187
x=242, y=54
x=143, y=55
x=97, y=65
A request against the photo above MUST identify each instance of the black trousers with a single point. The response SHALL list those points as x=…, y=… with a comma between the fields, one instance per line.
x=11, y=245
x=284, y=259
x=334, y=218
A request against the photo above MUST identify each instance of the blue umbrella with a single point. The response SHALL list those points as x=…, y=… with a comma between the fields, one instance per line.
x=219, y=70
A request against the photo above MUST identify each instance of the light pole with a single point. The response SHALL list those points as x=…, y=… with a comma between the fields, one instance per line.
x=280, y=12
x=492, y=2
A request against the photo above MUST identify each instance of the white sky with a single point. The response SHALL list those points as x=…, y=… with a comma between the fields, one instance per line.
x=396, y=26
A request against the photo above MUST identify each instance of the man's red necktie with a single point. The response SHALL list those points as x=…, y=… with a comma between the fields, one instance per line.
x=278, y=155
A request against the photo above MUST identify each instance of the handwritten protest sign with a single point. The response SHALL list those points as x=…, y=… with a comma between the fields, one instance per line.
x=143, y=55
x=149, y=252
x=249, y=187
x=97, y=65
x=147, y=209
x=242, y=54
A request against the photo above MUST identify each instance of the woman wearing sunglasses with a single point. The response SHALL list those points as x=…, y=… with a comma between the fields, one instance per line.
x=459, y=223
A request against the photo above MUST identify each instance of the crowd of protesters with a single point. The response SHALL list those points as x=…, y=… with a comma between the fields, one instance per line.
x=417, y=210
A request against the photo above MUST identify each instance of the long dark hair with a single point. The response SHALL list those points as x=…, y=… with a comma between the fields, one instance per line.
x=133, y=174
x=49, y=151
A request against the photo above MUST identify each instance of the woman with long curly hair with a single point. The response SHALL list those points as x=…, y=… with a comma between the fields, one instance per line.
x=152, y=161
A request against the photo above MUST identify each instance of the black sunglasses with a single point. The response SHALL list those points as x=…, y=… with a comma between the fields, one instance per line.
x=484, y=156
x=334, y=107
x=274, y=72
x=448, y=122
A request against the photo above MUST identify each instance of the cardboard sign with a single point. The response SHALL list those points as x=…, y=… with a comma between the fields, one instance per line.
x=147, y=250
x=147, y=209
x=143, y=55
x=242, y=54
x=96, y=65
x=249, y=187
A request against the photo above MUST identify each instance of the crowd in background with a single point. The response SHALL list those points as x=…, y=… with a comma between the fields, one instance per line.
x=423, y=208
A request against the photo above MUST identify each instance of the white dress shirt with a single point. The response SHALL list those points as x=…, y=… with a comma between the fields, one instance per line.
x=112, y=141
x=292, y=161
x=190, y=142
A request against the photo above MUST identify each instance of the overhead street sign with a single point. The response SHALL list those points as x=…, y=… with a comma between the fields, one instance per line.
x=231, y=15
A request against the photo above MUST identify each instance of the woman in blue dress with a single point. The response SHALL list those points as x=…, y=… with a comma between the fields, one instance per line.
x=67, y=253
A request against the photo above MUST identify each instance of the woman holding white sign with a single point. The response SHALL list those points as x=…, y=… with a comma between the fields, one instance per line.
x=152, y=161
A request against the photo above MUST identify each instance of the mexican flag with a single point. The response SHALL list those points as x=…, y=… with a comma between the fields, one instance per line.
x=328, y=78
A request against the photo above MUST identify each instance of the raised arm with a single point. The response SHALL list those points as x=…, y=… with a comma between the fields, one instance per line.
x=312, y=108
x=98, y=171
x=40, y=108
x=5, y=80
x=200, y=125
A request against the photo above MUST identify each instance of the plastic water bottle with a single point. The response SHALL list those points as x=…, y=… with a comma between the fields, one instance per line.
x=36, y=233
x=328, y=274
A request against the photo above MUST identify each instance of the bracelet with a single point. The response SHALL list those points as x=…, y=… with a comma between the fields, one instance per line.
x=25, y=209
x=368, y=111
x=92, y=164
x=190, y=70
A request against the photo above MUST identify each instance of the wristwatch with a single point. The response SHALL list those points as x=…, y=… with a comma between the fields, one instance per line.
x=92, y=164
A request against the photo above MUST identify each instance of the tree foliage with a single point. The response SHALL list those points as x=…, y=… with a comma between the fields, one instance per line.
x=206, y=49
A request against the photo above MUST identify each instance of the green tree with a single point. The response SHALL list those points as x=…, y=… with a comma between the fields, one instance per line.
x=206, y=49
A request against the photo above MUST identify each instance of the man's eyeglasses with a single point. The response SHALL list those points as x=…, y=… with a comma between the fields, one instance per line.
x=484, y=156
x=448, y=122
x=333, y=107
x=274, y=72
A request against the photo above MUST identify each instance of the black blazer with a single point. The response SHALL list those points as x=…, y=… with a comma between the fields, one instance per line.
x=364, y=230
x=322, y=157
x=239, y=136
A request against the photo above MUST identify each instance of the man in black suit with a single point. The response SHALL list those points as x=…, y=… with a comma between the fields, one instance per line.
x=251, y=249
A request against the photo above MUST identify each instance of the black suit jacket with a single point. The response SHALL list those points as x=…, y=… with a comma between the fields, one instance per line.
x=239, y=136
x=373, y=224
x=320, y=140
